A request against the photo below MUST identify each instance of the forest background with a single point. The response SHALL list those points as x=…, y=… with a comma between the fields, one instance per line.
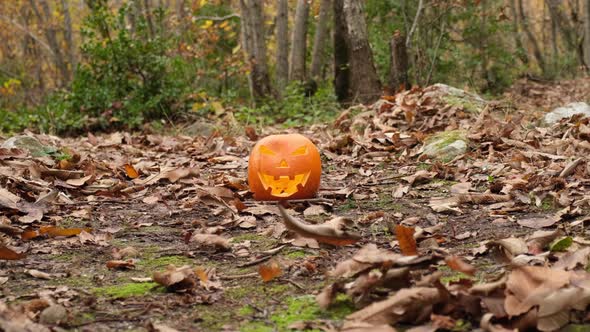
x=70, y=66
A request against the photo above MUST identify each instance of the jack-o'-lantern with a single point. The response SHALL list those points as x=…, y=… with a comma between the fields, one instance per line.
x=284, y=167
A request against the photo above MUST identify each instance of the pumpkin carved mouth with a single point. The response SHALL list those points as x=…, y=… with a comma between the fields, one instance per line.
x=283, y=186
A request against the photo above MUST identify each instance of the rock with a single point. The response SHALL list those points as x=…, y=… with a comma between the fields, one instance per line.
x=567, y=111
x=446, y=145
x=470, y=102
x=53, y=315
x=28, y=143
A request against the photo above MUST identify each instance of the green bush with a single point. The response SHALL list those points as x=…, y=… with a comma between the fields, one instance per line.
x=294, y=109
x=127, y=77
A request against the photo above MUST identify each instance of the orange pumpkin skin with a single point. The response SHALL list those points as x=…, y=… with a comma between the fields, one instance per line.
x=284, y=167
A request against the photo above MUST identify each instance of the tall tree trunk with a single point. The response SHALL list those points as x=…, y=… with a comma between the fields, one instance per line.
x=363, y=82
x=148, y=17
x=254, y=45
x=68, y=35
x=282, y=38
x=51, y=36
x=319, y=42
x=521, y=51
x=398, y=71
x=586, y=9
x=525, y=27
x=341, y=54
x=299, y=42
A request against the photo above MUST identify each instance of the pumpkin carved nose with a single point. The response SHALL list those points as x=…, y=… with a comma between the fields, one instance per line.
x=283, y=164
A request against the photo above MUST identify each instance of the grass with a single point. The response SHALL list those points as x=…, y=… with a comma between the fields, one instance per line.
x=128, y=290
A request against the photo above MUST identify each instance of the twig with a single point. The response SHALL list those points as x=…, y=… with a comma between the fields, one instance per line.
x=255, y=262
x=414, y=24
x=433, y=61
x=216, y=18
x=295, y=284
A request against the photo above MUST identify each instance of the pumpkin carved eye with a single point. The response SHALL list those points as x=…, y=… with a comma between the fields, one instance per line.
x=265, y=150
x=300, y=151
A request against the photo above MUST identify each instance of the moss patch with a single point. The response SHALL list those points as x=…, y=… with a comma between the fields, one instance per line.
x=301, y=308
x=446, y=138
x=128, y=290
x=259, y=242
x=239, y=293
x=295, y=254
x=467, y=103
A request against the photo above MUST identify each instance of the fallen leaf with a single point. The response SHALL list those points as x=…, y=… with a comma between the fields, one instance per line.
x=120, y=264
x=210, y=240
x=458, y=264
x=176, y=279
x=40, y=274
x=537, y=223
x=9, y=254
x=130, y=171
x=269, y=271
x=335, y=231
x=405, y=237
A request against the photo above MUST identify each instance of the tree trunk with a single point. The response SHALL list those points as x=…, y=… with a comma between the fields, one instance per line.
x=282, y=38
x=51, y=36
x=341, y=54
x=299, y=42
x=363, y=82
x=586, y=9
x=68, y=36
x=319, y=42
x=525, y=27
x=398, y=71
x=521, y=51
x=254, y=45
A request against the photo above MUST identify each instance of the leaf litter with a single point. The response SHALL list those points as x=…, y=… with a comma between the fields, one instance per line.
x=493, y=238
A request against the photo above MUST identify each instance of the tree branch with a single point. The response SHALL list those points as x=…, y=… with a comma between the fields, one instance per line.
x=414, y=24
x=28, y=32
x=216, y=18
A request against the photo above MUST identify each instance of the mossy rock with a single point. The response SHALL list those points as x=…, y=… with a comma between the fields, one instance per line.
x=446, y=145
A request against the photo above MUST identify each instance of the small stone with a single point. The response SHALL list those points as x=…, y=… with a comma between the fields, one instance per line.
x=28, y=143
x=446, y=145
x=567, y=111
x=53, y=315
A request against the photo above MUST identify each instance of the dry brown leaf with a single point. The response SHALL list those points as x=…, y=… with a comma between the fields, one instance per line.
x=9, y=254
x=537, y=223
x=405, y=238
x=130, y=171
x=125, y=252
x=269, y=271
x=176, y=279
x=121, y=264
x=458, y=264
x=336, y=231
x=406, y=305
x=40, y=274
x=210, y=240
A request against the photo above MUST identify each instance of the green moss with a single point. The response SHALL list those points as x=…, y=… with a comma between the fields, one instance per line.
x=246, y=311
x=302, y=308
x=127, y=290
x=423, y=166
x=467, y=103
x=83, y=318
x=576, y=328
x=445, y=138
x=295, y=254
x=349, y=205
x=152, y=264
x=452, y=276
x=80, y=281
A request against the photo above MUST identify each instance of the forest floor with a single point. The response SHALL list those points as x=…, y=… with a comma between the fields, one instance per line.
x=89, y=231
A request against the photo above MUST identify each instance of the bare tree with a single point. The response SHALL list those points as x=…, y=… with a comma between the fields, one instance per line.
x=586, y=9
x=68, y=35
x=398, y=71
x=299, y=42
x=520, y=50
x=282, y=37
x=531, y=37
x=361, y=80
x=254, y=45
x=50, y=32
x=319, y=42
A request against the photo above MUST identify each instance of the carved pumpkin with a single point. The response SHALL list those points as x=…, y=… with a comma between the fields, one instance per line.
x=284, y=167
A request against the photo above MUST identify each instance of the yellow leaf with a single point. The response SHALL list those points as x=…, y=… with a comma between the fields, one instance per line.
x=223, y=25
x=202, y=3
x=207, y=24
